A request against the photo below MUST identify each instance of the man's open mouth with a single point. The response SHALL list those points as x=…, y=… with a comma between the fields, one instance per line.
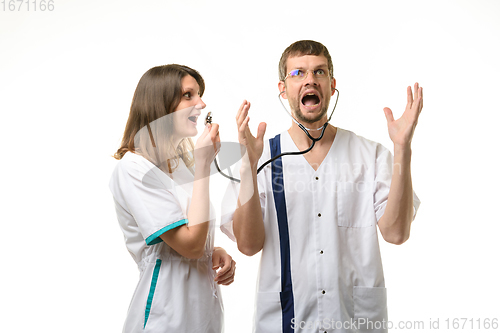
x=310, y=99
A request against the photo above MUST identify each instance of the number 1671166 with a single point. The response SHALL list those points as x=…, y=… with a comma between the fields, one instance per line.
x=27, y=5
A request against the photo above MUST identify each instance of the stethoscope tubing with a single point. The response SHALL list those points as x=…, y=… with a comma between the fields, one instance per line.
x=302, y=127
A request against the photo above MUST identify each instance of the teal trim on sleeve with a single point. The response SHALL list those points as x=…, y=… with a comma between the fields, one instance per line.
x=155, y=238
x=156, y=272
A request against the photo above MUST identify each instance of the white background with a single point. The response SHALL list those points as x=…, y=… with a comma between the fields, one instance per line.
x=66, y=82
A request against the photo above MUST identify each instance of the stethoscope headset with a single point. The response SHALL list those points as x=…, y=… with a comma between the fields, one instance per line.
x=302, y=127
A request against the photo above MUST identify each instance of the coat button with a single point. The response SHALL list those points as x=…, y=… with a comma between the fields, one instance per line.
x=321, y=252
x=317, y=178
x=319, y=214
x=323, y=292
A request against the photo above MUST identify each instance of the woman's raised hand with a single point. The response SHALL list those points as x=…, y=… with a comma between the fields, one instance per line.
x=208, y=145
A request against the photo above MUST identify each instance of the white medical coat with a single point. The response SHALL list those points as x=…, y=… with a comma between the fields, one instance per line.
x=174, y=294
x=321, y=269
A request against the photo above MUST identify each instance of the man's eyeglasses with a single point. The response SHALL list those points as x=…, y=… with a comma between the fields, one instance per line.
x=300, y=74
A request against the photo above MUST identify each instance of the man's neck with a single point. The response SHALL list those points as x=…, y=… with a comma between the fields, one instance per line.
x=302, y=140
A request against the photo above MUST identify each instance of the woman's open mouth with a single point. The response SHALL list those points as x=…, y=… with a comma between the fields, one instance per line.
x=193, y=119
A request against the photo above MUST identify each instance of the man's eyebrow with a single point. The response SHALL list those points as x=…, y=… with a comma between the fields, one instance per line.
x=315, y=67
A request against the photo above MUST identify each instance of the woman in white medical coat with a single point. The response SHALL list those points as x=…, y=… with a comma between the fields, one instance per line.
x=163, y=208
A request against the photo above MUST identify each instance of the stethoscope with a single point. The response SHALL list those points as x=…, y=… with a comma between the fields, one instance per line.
x=302, y=127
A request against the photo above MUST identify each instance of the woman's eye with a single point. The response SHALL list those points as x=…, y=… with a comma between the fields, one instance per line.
x=187, y=95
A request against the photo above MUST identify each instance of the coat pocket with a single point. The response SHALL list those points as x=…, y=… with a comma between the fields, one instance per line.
x=268, y=313
x=370, y=309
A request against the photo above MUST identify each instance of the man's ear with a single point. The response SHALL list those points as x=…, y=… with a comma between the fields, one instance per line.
x=334, y=84
x=282, y=88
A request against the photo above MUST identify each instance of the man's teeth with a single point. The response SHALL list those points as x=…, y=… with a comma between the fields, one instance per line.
x=311, y=94
x=307, y=100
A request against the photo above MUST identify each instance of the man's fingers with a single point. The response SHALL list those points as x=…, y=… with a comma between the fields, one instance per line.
x=417, y=103
x=244, y=124
x=242, y=118
x=242, y=113
x=409, y=97
x=261, y=130
x=421, y=98
x=388, y=115
x=417, y=93
x=240, y=109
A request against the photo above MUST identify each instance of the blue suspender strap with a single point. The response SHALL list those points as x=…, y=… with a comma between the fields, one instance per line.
x=286, y=294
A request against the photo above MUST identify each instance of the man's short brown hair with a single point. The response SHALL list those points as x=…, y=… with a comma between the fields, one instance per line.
x=302, y=48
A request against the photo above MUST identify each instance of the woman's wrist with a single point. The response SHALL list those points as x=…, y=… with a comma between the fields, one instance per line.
x=202, y=170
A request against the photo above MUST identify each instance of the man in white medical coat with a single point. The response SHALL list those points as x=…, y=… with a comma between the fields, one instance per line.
x=314, y=216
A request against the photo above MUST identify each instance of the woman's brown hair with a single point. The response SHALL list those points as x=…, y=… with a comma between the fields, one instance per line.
x=158, y=94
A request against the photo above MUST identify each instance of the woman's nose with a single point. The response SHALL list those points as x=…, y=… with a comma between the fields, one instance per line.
x=201, y=104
